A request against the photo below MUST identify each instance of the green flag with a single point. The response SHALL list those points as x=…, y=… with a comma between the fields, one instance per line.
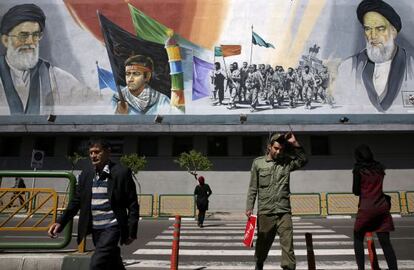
x=148, y=28
x=218, y=51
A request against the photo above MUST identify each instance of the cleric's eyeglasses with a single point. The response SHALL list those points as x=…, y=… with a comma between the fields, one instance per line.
x=23, y=36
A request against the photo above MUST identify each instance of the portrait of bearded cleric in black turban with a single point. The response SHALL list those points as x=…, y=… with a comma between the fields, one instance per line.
x=29, y=84
x=375, y=78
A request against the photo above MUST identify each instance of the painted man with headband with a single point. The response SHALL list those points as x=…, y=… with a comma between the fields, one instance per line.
x=380, y=76
x=28, y=84
x=138, y=97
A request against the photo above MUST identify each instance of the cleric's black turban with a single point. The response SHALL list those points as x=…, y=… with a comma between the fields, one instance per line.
x=22, y=13
x=382, y=8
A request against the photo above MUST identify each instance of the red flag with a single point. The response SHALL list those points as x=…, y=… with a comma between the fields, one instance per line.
x=249, y=232
x=229, y=50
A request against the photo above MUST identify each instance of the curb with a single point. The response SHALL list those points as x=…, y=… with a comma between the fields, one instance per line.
x=31, y=261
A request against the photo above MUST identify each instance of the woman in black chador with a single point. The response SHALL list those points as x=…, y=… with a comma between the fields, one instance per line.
x=373, y=208
x=202, y=192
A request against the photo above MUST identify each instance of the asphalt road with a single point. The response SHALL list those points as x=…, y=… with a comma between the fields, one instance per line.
x=218, y=245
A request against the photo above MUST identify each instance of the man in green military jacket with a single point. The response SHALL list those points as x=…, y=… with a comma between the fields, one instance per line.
x=270, y=177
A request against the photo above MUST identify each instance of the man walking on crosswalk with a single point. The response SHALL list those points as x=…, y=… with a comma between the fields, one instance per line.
x=269, y=181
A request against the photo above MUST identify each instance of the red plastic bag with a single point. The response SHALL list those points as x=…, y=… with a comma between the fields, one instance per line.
x=249, y=231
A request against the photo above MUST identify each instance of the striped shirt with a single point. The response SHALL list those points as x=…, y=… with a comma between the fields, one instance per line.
x=102, y=214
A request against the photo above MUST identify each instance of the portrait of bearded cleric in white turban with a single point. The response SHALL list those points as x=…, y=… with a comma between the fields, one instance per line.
x=374, y=79
x=29, y=84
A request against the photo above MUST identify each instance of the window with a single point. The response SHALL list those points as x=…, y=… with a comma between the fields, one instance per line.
x=79, y=145
x=320, y=145
x=253, y=146
x=46, y=144
x=117, y=145
x=148, y=146
x=182, y=144
x=10, y=146
x=217, y=146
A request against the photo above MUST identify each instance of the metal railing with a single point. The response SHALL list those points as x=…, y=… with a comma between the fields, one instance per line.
x=347, y=203
x=40, y=205
x=410, y=201
x=176, y=204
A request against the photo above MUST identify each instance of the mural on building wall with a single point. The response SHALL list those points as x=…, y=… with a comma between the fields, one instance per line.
x=206, y=57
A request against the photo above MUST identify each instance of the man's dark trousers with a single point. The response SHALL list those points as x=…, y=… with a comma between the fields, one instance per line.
x=107, y=252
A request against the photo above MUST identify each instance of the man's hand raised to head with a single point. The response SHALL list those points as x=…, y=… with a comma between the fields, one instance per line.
x=290, y=137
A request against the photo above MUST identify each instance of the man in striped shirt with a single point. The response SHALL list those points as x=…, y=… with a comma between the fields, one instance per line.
x=107, y=200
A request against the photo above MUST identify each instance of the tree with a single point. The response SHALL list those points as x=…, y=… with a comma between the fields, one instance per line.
x=74, y=159
x=136, y=164
x=193, y=161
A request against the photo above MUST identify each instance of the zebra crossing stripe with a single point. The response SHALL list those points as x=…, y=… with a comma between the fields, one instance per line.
x=223, y=252
x=239, y=244
x=301, y=265
x=222, y=227
x=241, y=232
x=215, y=237
x=215, y=223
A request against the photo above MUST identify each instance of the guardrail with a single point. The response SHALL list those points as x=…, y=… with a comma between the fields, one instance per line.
x=347, y=203
x=146, y=205
x=176, y=204
x=306, y=204
x=410, y=201
x=38, y=208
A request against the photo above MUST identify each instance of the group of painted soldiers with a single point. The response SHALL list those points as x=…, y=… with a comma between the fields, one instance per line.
x=275, y=86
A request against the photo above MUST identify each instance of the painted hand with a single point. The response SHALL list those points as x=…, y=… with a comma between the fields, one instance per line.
x=122, y=107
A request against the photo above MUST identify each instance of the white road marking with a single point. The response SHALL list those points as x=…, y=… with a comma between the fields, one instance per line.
x=223, y=227
x=242, y=231
x=301, y=265
x=214, y=237
x=240, y=244
x=250, y=252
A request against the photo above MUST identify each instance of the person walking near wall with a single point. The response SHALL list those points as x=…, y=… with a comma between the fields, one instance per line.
x=269, y=181
x=373, y=207
x=202, y=191
x=19, y=183
x=107, y=199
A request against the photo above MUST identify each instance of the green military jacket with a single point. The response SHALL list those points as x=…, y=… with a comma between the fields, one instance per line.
x=270, y=180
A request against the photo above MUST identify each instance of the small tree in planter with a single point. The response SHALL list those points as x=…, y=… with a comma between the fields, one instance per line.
x=74, y=159
x=136, y=164
x=194, y=161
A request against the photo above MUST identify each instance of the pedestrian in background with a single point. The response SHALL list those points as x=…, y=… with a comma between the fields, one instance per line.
x=270, y=182
x=373, y=207
x=19, y=183
x=202, y=191
x=107, y=199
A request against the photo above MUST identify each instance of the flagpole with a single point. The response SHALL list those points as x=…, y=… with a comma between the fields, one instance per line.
x=120, y=95
x=97, y=69
x=227, y=74
x=214, y=72
x=251, y=47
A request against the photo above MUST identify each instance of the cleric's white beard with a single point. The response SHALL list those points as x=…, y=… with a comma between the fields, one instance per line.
x=381, y=53
x=20, y=59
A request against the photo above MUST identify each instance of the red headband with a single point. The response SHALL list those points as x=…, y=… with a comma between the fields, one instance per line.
x=139, y=67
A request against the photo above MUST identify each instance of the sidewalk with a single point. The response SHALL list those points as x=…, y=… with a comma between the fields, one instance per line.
x=45, y=261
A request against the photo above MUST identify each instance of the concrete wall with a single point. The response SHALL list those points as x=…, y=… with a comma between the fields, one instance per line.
x=230, y=176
